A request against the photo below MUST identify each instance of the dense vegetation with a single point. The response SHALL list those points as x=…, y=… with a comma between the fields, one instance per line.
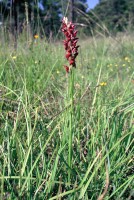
x=116, y=15
x=37, y=117
x=44, y=16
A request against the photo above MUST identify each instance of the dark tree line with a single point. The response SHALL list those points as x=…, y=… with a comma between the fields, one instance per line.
x=115, y=15
x=44, y=16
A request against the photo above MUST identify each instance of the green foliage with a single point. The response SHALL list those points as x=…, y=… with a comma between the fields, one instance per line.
x=116, y=15
x=51, y=13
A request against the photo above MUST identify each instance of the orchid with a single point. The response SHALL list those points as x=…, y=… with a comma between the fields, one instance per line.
x=70, y=43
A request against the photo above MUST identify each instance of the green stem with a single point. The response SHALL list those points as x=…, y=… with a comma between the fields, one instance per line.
x=71, y=95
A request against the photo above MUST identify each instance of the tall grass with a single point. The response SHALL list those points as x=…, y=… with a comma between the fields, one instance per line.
x=37, y=122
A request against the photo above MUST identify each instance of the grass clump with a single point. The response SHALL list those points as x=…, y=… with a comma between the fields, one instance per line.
x=35, y=122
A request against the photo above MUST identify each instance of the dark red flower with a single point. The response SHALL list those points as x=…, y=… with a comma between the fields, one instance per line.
x=70, y=43
x=68, y=55
x=72, y=62
x=66, y=68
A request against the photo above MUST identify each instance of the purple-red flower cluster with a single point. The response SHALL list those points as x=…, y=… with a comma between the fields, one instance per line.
x=70, y=43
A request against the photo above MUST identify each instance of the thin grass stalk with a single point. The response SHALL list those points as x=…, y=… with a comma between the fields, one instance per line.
x=27, y=22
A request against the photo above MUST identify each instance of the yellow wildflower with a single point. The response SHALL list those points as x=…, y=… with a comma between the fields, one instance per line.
x=57, y=72
x=123, y=65
x=36, y=36
x=103, y=84
x=82, y=77
x=14, y=57
x=126, y=58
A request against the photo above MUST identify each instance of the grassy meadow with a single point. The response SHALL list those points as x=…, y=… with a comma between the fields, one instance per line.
x=67, y=136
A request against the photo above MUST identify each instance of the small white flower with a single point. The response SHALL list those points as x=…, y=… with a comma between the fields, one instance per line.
x=65, y=19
